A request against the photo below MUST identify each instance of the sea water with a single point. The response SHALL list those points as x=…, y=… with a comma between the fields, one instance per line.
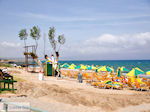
x=129, y=64
x=142, y=64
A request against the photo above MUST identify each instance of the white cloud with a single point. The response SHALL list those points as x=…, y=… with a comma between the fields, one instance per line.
x=10, y=49
x=10, y=44
x=127, y=41
x=108, y=46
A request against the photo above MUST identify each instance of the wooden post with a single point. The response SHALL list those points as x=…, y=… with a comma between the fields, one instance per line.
x=28, y=50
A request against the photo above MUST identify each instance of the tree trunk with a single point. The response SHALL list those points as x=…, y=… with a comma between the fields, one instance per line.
x=36, y=46
x=24, y=42
x=57, y=55
x=59, y=47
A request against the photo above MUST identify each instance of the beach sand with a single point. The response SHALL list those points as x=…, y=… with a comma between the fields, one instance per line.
x=67, y=95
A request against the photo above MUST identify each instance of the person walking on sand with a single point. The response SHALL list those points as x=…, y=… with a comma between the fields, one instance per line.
x=80, y=79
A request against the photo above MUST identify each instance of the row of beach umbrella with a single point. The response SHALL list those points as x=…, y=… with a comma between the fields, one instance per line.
x=87, y=67
x=134, y=72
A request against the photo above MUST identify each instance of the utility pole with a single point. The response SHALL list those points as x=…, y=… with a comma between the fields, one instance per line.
x=44, y=37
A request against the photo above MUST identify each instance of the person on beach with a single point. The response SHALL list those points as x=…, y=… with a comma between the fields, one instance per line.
x=5, y=70
x=80, y=77
x=47, y=59
x=57, y=71
x=52, y=58
x=55, y=66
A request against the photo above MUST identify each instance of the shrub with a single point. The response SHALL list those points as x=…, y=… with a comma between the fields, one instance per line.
x=5, y=65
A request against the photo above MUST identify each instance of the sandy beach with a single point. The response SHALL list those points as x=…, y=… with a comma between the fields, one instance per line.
x=67, y=95
x=75, y=55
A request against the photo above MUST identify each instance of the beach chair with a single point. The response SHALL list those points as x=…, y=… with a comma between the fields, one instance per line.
x=74, y=74
x=131, y=83
x=102, y=85
x=6, y=79
x=124, y=81
x=97, y=77
x=69, y=74
x=140, y=85
x=89, y=77
x=146, y=81
x=64, y=73
x=137, y=84
x=117, y=85
x=103, y=77
x=96, y=84
x=107, y=84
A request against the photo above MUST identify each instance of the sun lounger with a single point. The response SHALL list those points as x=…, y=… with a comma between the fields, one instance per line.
x=140, y=85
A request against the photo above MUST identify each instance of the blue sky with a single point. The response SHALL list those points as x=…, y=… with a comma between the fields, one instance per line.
x=85, y=24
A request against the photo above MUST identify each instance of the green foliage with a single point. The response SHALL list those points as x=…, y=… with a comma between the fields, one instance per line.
x=61, y=39
x=5, y=65
x=54, y=42
x=51, y=33
x=23, y=34
x=35, y=33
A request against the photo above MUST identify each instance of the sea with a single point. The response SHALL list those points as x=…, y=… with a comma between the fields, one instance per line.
x=142, y=64
x=129, y=64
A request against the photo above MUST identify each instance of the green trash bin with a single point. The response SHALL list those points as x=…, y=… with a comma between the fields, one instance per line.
x=48, y=69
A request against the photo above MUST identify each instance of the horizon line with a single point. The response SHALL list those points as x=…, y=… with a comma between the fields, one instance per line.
x=82, y=59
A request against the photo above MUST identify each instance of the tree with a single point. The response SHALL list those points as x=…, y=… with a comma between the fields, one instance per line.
x=61, y=40
x=23, y=35
x=56, y=44
x=35, y=34
x=51, y=35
